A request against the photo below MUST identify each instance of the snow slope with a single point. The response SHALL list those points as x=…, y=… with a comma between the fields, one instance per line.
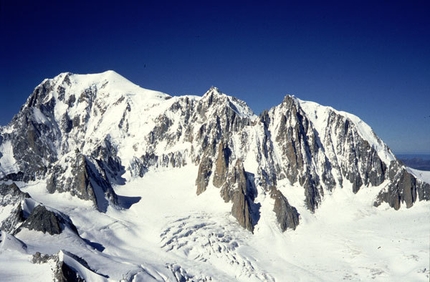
x=168, y=231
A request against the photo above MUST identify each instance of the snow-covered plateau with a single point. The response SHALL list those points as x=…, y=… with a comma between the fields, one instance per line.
x=102, y=180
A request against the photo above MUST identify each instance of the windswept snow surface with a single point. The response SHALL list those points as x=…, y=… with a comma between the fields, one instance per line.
x=168, y=233
x=15, y=263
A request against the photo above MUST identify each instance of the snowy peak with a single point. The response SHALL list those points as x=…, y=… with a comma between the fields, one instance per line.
x=108, y=86
x=214, y=97
x=320, y=117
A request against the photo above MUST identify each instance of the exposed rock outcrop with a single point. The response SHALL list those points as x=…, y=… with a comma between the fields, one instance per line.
x=221, y=165
x=204, y=173
x=299, y=145
x=15, y=218
x=85, y=179
x=10, y=194
x=240, y=191
x=35, y=134
x=404, y=188
x=356, y=159
x=64, y=269
x=286, y=215
x=46, y=221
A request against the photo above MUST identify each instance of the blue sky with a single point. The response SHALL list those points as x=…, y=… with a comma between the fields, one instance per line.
x=370, y=58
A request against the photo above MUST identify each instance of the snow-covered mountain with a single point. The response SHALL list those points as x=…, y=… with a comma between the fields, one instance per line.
x=108, y=181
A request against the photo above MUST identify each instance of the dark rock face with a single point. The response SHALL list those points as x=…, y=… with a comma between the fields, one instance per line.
x=322, y=160
x=239, y=190
x=204, y=173
x=361, y=164
x=87, y=180
x=299, y=144
x=241, y=209
x=403, y=188
x=40, y=218
x=46, y=221
x=221, y=165
x=34, y=136
x=10, y=194
x=14, y=176
x=15, y=218
x=67, y=273
x=42, y=258
x=43, y=220
x=287, y=216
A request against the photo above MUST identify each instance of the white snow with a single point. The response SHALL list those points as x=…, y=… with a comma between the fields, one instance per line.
x=14, y=260
x=420, y=174
x=8, y=242
x=18, y=267
x=7, y=161
x=238, y=106
x=169, y=227
x=39, y=117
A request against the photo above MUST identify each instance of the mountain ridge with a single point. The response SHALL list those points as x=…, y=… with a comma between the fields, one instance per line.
x=68, y=120
x=89, y=135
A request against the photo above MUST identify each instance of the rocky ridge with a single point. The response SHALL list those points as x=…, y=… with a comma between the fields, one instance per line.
x=84, y=134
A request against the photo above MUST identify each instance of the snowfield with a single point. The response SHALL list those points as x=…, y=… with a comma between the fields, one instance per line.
x=168, y=231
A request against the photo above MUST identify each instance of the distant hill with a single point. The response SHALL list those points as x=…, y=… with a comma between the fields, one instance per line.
x=421, y=162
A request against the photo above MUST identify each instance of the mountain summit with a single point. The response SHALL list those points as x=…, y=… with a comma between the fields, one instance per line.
x=89, y=138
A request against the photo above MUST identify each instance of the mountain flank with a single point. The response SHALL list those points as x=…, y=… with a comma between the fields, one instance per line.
x=84, y=134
